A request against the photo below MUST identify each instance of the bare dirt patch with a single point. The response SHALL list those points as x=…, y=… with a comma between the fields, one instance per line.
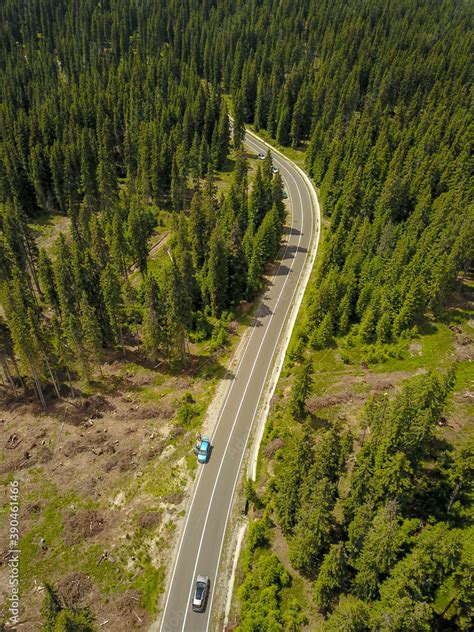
x=318, y=403
x=415, y=349
x=84, y=524
x=140, y=379
x=75, y=587
x=466, y=396
x=174, y=499
x=149, y=519
x=274, y=445
x=13, y=441
x=463, y=347
x=133, y=615
x=140, y=411
x=88, y=408
x=27, y=459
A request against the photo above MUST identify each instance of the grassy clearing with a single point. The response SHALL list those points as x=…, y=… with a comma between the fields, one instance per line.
x=151, y=584
x=40, y=565
x=130, y=563
x=48, y=227
x=223, y=177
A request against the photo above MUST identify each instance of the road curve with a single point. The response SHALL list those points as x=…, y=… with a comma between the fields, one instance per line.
x=202, y=538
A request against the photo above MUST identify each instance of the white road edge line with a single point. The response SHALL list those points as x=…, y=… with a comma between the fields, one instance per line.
x=198, y=478
x=235, y=561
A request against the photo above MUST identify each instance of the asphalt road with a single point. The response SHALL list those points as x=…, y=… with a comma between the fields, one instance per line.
x=202, y=539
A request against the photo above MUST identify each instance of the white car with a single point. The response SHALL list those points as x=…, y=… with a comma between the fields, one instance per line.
x=261, y=156
x=275, y=169
x=201, y=592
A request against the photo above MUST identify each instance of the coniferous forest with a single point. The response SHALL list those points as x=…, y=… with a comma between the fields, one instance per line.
x=111, y=111
x=103, y=128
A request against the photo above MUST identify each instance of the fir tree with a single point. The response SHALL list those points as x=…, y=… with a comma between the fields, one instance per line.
x=301, y=390
x=217, y=274
x=156, y=337
x=112, y=293
x=140, y=226
x=331, y=578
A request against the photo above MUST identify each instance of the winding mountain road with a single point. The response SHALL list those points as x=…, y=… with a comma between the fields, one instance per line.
x=202, y=538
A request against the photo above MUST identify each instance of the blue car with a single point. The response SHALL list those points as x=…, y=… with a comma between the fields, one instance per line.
x=204, y=450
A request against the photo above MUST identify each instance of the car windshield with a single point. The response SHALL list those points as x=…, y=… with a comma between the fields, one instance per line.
x=199, y=590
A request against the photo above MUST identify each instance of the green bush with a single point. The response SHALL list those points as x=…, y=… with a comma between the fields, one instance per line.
x=219, y=336
x=186, y=411
x=202, y=328
x=378, y=354
x=375, y=355
x=345, y=357
x=257, y=538
x=260, y=595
